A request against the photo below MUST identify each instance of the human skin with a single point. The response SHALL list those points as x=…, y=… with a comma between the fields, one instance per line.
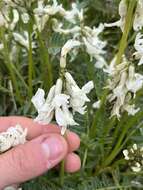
x=44, y=150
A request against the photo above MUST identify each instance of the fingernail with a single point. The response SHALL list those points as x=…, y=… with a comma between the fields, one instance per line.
x=53, y=147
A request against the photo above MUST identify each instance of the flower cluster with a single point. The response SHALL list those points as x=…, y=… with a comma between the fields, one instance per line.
x=138, y=20
x=135, y=157
x=6, y=21
x=62, y=103
x=139, y=48
x=123, y=84
x=86, y=37
x=12, y=137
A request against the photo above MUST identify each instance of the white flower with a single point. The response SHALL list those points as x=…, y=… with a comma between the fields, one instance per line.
x=116, y=109
x=141, y=149
x=55, y=104
x=122, y=12
x=57, y=27
x=48, y=9
x=138, y=20
x=97, y=104
x=81, y=35
x=40, y=22
x=43, y=106
x=42, y=13
x=115, y=70
x=131, y=109
x=119, y=93
x=1, y=46
x=23, y=39
x=94, y=46
x=7, y=22
x=135, y=147
x=122, y=83
x=135, y=155
x=25, y=18
x=126, y=154
x=14, y=52
x=134, y=81
x=78, y=96
x=74, y=13
x=12, y=137
x=41, y=9
x=139, y=48
x=15, y=19
x=2, y=20
x=69, y=45
x=137, y=167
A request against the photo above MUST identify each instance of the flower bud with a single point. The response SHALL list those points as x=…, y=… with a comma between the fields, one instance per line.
x=59, y=85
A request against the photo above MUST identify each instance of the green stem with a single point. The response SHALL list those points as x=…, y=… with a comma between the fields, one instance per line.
x=62, y=168
x=128, y=24
x=119, y=126
x=122, y=48
x=20, y=76
x=84, y=158
x=92, y=131
x=109, y=126
x=9, y=66
x=46, y=66
x=106, y=132
x=62, y=172
x=86, y=149
x=30, y=67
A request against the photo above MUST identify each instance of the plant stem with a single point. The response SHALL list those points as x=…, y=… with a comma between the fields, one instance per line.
x=20, y=76
x=92, y=131
x=86, y=149
x=62, y=168
x=109, y=126
x=9, y=66
x=62, y=172
x=30, y=67
x=106, y=132
x=84, y=158
x=122, y=47
x=46, y=66
x=128, y=24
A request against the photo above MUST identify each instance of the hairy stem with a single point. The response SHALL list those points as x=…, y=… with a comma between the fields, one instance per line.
x=128, y=24
x=46, y=66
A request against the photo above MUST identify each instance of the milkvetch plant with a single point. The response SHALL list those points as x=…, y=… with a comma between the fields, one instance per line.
x=49, y=51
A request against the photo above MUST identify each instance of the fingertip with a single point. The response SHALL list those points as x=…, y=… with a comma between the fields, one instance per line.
x=73, y=141
x=72, y=163
x=55, y=146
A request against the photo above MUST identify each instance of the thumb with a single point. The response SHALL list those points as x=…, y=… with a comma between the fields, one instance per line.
x=31, y=159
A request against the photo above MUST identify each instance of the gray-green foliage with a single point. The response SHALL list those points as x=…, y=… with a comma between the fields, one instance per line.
x=94, y=175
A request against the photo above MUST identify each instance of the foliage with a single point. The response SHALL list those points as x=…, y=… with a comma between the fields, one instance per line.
x=103, y=164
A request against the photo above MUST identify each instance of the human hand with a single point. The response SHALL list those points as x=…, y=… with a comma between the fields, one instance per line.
x=45, y=149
